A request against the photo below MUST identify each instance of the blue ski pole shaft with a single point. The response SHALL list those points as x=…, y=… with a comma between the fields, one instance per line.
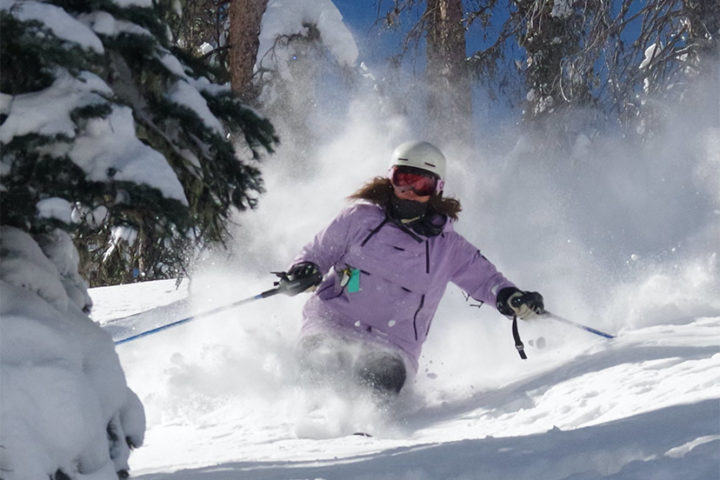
x=575, y=324
x=265, y=294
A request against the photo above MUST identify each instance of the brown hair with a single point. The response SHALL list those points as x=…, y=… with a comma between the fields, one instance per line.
x=379, y=191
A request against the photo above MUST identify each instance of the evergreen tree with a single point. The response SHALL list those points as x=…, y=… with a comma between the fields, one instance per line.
x=111, y=132
x=199, y=27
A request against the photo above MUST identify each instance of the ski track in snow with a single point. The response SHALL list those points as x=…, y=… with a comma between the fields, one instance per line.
x=643, y=406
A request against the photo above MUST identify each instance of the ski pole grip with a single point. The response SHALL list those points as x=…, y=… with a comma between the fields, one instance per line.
x=292, y=283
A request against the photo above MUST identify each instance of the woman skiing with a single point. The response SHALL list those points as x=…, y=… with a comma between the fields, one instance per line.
x=381, y=268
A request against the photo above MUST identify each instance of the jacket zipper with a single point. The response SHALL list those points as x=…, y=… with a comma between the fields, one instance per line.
x=427, y=256
x=422, y=302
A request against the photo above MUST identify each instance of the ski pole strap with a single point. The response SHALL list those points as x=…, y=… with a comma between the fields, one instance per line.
x=519, y=345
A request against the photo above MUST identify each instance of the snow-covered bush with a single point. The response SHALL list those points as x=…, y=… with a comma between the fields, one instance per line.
x=65, y=408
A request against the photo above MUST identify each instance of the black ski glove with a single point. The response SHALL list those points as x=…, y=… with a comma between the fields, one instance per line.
x=524, y=305
x=301, y=277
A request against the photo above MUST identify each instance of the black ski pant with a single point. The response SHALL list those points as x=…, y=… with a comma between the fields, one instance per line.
x=330, y=358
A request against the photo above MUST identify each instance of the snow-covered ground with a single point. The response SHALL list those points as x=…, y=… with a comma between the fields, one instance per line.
x=223, y=401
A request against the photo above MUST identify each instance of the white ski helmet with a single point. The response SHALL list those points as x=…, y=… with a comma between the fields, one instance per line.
x=422, y=155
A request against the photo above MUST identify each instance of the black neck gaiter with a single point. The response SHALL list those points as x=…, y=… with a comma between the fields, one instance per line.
x=406, y=209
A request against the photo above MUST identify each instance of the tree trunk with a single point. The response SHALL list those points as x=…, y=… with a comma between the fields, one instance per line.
x=449, y=95
x=704, y=31
x=550, y=37
x=244, y=39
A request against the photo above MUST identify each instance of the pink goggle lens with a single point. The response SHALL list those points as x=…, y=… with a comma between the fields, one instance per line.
x=420, y=183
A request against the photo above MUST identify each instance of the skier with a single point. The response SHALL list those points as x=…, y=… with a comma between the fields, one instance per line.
x=381, y=268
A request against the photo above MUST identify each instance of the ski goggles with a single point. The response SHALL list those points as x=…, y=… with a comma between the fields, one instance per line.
x=415, y=179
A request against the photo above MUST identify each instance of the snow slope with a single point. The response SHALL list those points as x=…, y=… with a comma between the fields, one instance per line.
x=223, y=402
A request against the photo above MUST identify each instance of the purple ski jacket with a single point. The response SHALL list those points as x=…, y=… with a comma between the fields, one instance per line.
x=402, y=278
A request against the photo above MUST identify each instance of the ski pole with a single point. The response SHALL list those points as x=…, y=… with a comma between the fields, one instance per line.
x=265, y=294
x=575, y=324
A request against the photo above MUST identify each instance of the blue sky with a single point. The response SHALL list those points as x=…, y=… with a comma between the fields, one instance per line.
x=375, y=42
